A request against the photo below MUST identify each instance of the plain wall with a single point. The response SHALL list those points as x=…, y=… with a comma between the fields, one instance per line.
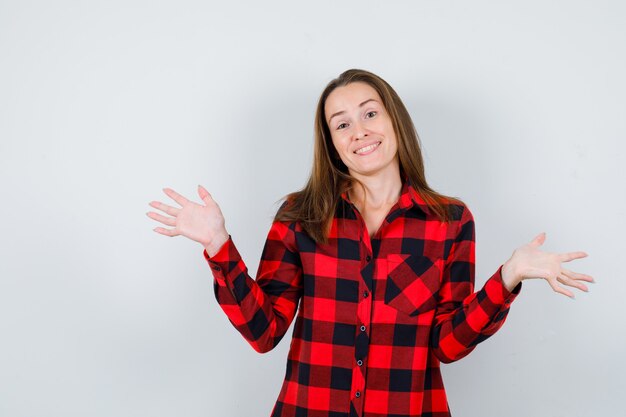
x=520, y=109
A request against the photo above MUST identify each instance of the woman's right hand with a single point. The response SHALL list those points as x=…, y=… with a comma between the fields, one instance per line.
x=203, y=223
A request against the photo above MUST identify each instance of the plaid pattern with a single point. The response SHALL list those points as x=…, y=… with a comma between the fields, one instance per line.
x=376, y=316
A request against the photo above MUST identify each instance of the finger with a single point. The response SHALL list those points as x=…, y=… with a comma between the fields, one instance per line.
x=577, y=276
x=166, y=232
x=175, y=196
x=560, y=290
x=565, y=280
x=570, y=256
x=168, y=221
x=538, y=240
x=172, y=211
x=204, y=194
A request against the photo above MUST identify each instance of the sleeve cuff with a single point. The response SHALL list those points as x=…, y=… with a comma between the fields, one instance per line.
x=222, y=253
x=497, y=292
x=225, y=259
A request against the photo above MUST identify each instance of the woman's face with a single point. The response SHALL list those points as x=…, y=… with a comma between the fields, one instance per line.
x=361, y=130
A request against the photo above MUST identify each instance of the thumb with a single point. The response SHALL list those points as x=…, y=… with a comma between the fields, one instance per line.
x=539, y=239
x=204, y=194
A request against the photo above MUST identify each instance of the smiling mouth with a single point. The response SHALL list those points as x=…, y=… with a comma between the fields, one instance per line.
x=367, y=149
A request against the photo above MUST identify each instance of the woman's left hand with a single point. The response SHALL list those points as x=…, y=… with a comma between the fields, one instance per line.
x=529, y=262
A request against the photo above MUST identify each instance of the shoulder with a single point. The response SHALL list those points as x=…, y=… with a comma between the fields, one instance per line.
x=457, y=210
x=461, y=220
x=287, y=216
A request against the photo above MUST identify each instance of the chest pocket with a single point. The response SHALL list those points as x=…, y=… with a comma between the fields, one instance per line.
x=412, y=283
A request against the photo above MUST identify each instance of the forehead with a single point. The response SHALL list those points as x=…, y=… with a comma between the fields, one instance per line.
x=349, y=96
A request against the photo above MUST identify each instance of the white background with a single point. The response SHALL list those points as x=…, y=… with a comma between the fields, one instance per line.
x=520, y=108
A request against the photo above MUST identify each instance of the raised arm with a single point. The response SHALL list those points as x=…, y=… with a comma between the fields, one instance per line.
x=465, y=318
x=262, y=309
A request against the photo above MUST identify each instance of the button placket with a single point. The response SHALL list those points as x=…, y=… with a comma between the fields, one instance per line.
x=363, y=320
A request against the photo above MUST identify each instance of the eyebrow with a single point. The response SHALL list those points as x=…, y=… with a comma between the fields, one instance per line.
x=343, y=111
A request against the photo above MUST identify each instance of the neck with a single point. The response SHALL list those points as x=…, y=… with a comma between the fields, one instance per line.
x=380, y=191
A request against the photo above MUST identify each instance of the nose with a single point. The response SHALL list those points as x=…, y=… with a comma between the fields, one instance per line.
x=359, y=131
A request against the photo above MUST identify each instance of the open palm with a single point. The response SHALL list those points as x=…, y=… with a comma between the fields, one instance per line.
x=203, y=223
x=529, y=261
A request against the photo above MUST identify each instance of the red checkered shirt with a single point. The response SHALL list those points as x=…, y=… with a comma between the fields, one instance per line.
x=376, y=316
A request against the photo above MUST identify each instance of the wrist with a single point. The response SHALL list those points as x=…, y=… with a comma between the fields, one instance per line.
x=216, y=243
x=510, y=278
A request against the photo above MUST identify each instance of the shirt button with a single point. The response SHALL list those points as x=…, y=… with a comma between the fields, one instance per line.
x=359, y=362
x=358, y=394
x=368, y=258
x=217, y=268
x=365, y=294
x=362, y=328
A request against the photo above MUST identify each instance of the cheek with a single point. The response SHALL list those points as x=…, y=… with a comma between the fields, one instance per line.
x=339, y=143
x=335, y=150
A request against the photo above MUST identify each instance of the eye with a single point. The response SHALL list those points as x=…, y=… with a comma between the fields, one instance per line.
x=342, y=125
x=372, y=113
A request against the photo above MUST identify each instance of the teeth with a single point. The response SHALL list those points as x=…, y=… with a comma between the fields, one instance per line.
x=367, y=148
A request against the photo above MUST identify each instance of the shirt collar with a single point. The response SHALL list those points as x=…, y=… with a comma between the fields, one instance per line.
x=409, y=197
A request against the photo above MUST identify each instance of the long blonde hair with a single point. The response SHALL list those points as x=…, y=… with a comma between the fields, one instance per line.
x=314, y=206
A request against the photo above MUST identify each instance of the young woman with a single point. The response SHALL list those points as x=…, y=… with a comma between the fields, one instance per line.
x=381, y=266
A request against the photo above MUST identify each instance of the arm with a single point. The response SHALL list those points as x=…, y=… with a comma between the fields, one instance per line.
x=260, y=310
x=465, y=318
